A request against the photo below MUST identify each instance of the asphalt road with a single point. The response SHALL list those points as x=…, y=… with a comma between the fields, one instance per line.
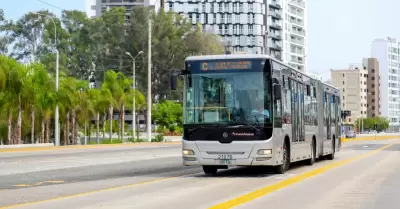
x=363, y=175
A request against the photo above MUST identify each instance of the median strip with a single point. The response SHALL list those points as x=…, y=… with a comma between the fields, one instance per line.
x=85, y=146
x=280, y=185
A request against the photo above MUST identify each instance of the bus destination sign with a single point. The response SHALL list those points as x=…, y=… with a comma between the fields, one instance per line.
x=235, y=65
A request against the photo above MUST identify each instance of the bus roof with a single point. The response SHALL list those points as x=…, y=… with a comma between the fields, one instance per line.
x=247, y=56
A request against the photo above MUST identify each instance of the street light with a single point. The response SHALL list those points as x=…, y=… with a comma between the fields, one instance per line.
x=56, y=117
x=134, y=88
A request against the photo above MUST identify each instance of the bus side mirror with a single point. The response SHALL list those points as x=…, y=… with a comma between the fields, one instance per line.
x=278, y=91
x=173, y=81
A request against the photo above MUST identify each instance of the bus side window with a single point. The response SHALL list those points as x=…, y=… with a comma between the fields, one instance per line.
x=287, y=101
x=277, y=109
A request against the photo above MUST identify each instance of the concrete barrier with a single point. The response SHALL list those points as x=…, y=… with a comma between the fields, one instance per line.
x=365, y=137
x=26, y=145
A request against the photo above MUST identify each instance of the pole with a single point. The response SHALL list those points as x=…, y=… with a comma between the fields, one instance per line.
x=56, y=118
x=134, y=100
x=149, y=86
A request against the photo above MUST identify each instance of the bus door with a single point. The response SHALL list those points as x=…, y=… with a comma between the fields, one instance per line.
x=301, y=112
x=295, y=110
x=328, y=118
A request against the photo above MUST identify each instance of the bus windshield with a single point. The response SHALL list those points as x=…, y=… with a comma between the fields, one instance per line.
x=234, y=97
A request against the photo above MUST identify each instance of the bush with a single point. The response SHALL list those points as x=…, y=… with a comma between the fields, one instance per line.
x=114, y=141
x=158, y=138
x=168, y=115
x=132, y=140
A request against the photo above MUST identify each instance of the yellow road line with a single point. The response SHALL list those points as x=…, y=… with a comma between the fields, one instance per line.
x=83, y=146
x=55, y=182
x=22, y=185
x=87, y=193
x=274, y=187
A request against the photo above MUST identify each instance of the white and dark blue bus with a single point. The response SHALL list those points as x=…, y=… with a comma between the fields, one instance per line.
x=253, y=110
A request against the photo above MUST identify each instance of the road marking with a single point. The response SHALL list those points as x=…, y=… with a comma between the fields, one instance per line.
x=39, y=183
x=55, y=182
x=285, y=183
x=22, y=185
x=98, y=191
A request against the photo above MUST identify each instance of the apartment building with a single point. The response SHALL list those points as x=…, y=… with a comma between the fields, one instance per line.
x=294, y=29
x=241, y=24
x=98, y=7
x=387, y=51
x=352, y=83
x=373, y=84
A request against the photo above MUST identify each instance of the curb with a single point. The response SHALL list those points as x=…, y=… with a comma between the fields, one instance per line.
x=3, y=150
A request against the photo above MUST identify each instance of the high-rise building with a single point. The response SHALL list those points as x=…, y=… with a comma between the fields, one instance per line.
x=241, y=24
x=275, y=27
x=373, y=83
x=294, y=29
x=387, y=51
x=98, y=7
x=352, y=83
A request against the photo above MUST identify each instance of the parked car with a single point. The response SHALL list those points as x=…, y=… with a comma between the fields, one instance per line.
x=350, y=134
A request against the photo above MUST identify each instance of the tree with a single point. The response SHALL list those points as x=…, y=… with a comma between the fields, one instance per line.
x=168, y=115
x=368, y=123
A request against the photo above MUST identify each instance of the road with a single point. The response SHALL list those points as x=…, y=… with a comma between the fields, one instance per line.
x=364, y=174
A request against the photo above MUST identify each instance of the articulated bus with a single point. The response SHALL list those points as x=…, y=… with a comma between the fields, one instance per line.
x=253, y=110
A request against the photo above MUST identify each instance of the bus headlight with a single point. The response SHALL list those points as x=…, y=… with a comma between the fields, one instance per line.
x=187, y=152
x=264, y=152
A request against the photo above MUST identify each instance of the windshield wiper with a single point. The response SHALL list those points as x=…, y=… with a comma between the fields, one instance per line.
x=243, y=123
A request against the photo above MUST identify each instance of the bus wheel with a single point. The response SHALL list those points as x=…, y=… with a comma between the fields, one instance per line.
x=332, y=156
x=311, y=161
x=280, y=169
x=210, y=170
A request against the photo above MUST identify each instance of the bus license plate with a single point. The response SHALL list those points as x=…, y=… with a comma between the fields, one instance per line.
x=224, y=160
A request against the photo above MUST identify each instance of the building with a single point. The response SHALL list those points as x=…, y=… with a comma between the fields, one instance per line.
x=294, y=29
x=275, y=27
x=387, y=52
x=98, y=7
x=240, y=24
x=373, y=84
x=352, y=83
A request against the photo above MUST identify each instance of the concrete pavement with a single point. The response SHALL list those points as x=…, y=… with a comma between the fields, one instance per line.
x=359, y=177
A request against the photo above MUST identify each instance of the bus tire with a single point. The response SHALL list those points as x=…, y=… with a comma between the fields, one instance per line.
x=332, y=156
x=210, y=170
x=280, y=169
x=311, y=161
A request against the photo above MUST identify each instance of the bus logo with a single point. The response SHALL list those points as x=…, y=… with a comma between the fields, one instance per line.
x=225, y=135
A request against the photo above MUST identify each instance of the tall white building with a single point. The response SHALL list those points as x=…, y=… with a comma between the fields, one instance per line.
x=98, y=7
x=387, y=51
x=275, y=27
x=295, y=39
x=240, y=23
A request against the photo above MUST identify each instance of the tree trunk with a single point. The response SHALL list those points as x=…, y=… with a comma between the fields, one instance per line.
x=122, y=122
x=33, y=127
x=67, y=128
x=85, y=133
x=111, y=111
x=104, y=126
x=65, y=141
x=19, y=122
x=119, y=125
x=48, y=130
x=74, y=127
x=43, y=131
x=97, y=127
x=9, y=137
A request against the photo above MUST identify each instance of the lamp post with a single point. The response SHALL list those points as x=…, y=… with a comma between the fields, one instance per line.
x=56, y=117
x=134, y=93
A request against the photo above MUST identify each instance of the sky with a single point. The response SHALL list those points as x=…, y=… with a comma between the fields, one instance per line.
x=339, y=32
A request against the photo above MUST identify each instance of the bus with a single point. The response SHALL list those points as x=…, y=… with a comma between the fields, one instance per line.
x=253, y=110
